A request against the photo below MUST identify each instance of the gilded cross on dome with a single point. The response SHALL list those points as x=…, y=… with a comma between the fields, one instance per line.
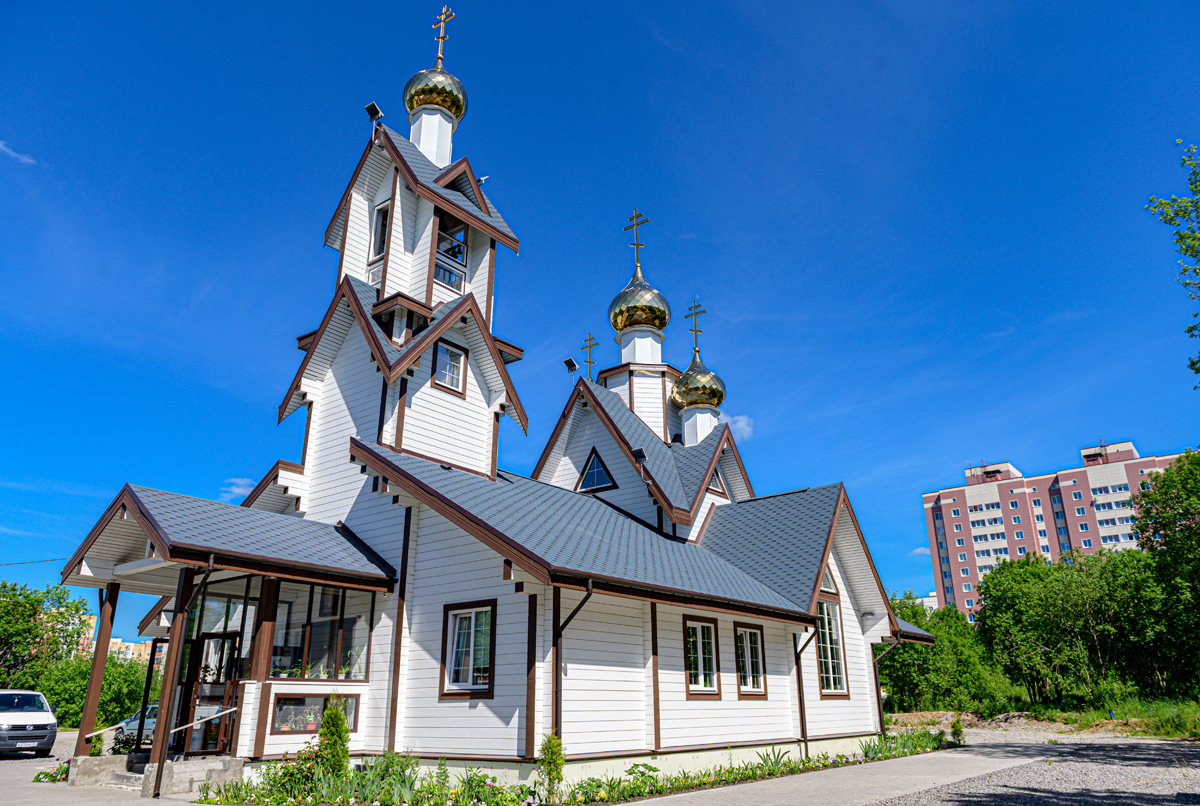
x=638, y=219
x=588, y=345
x=442, y=19
x=694, y=314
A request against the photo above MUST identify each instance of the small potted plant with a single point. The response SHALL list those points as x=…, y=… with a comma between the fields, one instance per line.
x=311, y=716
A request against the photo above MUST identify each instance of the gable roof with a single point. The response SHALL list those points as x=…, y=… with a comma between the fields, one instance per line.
x=560, y=536
x=678, y=476
x=422, y=177
x=188, y=530
x=392, y=360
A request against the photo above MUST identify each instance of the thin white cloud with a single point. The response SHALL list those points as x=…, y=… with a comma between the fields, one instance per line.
x=236, y=488
x=741, y=425
x=24, y=159
x=920, y=551
x=4, y=530
x=55, y=488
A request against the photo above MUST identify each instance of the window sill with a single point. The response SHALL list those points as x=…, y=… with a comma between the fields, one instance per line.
x=440, y=284
x=752, y=694
x=456, y=694
x=376, y=259
x=449, y=390
x=704, y=695
x=835, y=695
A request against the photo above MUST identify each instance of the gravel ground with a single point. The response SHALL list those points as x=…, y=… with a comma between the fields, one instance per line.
x=1044, y=734
x=1090, y=770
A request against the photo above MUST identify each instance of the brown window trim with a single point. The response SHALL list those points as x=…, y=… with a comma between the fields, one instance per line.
x=826, y=596
x=313, y=586
x=723, y=492
x=309, y=694
x=586, y=462
x=749, y=693
x=453, y=694
x=703, y=695
x=466, y=367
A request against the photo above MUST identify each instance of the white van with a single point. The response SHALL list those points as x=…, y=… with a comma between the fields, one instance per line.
x=26, y=722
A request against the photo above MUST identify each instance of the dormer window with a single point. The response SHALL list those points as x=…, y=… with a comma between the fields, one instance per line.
x=452, y=238
x=715, y=485
x=595, y=477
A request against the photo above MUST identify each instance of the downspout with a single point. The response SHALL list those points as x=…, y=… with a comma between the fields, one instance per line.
x=800, y=691
x=878, y=691
x=166, y=735
x=559, y=629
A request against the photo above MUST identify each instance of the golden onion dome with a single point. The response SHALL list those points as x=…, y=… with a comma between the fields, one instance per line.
x=698, y=386
x=436, y=87
x=639, y=305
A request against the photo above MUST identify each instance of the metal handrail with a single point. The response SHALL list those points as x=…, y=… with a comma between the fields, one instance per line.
x=102, y=730
x=205, y=719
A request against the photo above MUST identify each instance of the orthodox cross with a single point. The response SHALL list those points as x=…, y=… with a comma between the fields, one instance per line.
x=694, y=314
x=638, y=219
x=588, y=345
x=442, y=18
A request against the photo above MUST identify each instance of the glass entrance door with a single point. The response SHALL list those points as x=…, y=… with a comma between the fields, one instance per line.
x=213, y=674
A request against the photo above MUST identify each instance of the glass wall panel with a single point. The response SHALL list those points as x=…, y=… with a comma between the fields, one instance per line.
x=323, y=636
x=303, y=714
x=356, y=633
x=291, y=619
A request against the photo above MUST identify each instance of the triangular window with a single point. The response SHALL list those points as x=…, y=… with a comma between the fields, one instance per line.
x=595, y=476
x=827, y=582
x=715, y=483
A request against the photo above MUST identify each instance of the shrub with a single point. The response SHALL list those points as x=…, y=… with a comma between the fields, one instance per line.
x=334, y=737
x=96, y=746
x=956, y=730
x=550, y=767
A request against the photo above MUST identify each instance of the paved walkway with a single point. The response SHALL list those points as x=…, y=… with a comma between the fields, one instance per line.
x=845, y=786
x=867, y=783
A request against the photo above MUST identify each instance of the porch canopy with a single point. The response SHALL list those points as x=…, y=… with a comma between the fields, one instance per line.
x=146, y=536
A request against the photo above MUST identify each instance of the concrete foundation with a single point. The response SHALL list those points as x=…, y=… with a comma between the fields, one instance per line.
x=186, y=775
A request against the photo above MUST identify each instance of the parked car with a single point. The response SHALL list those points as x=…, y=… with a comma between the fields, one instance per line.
x=26, y=722
x=130, y=725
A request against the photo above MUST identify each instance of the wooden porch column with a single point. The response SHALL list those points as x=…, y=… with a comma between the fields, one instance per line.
x=263, y=639
x=91, y=701
x=170, y=667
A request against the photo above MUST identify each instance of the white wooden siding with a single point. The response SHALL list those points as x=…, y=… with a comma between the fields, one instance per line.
x=674, y=419
x=619, y=384
x=375, y=171
x=423, y=241
x=709, y=501
x=604, y=675
x=445, y=426
x=689, y=722
x=648, y=400
x=453, y=567
x=735, y=483
x=857, y=714
x=588, y=432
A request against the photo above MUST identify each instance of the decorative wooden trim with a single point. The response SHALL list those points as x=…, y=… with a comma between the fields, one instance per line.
x=703, y=695
x=723, y=491
x=631, y=408
x=383, y=396
x=508, y=348
x=329, y=695
x=398, y=631
x=128, y=503
x=265, y=705
x=435, y=222
x=401, y=406
x=691, y=748
x=398, y=299
x=556, y=660
x=308, y=417
x=586, y=464
x=631, y=367
x=466, y=368
x=387, y=248
x=436, y=461
x=495, y=443
x=654, y=674
x=837, y=508
x=267, y=566
x=491, y=284
x=236, y=724
x=704, y=524
x=446, y=694
x=531, y=677
x=264, y=629
x=665, y=404
x=751, y=694
x=461, y=166
x=150, y=616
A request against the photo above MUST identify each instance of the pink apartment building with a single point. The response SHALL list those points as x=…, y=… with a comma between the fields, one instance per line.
x=1000, y=514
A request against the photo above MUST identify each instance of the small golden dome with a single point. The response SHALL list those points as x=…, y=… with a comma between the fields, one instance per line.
x=698, y=386
x=436, y=87
x=639, y=305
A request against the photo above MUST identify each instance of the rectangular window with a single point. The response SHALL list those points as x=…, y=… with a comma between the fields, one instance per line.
x=945, y=560
x=1018, y=535
x=700, y=658
x=1020, y=550
x=970, y=602
x=1107, y=505
x=452, y=238
x=958, y=527
x=960, y=541
x=1037, y=502
x=1045, y=549
x=1077, y=495
x=1120, y=488
x=995, y=521
x=1062, y=530
x=1041, y=532
x=1083, y=527
x=293, y=714
x=1056, y=499
x=966, y=587
x=993, y=505
x=1014, y=505
x=1064, y=546
x=1109, y=539
x=945, y=575
x=975, y=508
x=1079, y=510
x=829, y=648
x=1016, y=518
x=1125, y=519
x=468, y=650
x=321, y=632
x=1087, y=543
x=984, y=553
x=949, y=591
x=978, y=524
x=937, y=516
x=962, y=557
x=379, y=232
x=449, y=277
x=971, y=618
x=966, y=572
x=752, y=680
x=449, y=371
x=1059, y=515
x=979, y=539
x=1099, y=491
x=1039, y=518
x=954, y=512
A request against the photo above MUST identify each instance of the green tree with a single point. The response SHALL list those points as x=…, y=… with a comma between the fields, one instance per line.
x=1014, y=603
x=1168, y=526
x=38, y=628
x=65, y=684
x=1184, y=215
x=335, y=738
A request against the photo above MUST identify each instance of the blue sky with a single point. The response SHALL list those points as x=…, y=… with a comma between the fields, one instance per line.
x=917, y=227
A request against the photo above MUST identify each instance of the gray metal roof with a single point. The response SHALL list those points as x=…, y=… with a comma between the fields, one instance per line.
x=912, y=629
x=368, y=295
x=285, y=539
x=578, y=534
x=426, y=172
x=659, y=460
x=693, y=462
x=778, y=539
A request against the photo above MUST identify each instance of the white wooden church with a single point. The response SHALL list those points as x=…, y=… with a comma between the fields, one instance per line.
x=633, y=594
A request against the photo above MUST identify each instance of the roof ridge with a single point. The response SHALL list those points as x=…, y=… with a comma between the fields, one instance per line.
x=790, y=492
